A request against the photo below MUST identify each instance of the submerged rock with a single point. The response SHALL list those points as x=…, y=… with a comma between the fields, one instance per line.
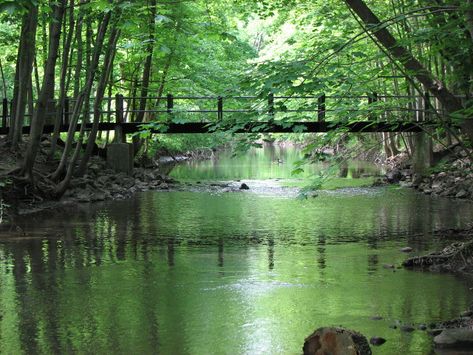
x=377, y=341
x=336, y=341
x=376, y=318
x=461, y=339
x=244, y=187
x=407, y=328
x=406, y=249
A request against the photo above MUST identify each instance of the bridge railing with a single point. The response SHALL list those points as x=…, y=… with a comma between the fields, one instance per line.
x=123, y=109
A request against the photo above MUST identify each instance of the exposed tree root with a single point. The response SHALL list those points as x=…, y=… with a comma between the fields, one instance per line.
x=457, y=257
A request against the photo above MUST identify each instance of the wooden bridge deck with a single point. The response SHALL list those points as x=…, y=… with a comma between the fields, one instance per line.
x=251, y=127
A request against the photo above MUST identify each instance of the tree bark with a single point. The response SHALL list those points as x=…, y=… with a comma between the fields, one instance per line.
x=62, y=80
x=146, y=71
x=47, y=89
x=24, y=69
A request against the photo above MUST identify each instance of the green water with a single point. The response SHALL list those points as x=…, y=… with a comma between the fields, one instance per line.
x=212, y=272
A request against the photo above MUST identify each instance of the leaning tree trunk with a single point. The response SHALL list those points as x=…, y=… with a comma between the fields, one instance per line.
x=47, y=90
x=23, y=75
x=449, y=101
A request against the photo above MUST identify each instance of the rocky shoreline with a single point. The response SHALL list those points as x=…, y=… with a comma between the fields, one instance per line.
x=100, y=184
x=453, y=178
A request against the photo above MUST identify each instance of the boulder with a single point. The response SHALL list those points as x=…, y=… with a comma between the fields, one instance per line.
x=456, y=338
x=461, y=194
x=244, y=187
x=336, y=341
x=393, y=176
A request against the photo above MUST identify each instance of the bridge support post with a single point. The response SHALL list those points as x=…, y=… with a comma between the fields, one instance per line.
x=119, y=136
x=4, y=112
x=66, y=111
x=219, y=108
x=321, y=108
x=120, y=157
x=271, y=106
x=423, y=155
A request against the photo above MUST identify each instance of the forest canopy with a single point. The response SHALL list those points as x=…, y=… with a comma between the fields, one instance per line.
x=411, y=58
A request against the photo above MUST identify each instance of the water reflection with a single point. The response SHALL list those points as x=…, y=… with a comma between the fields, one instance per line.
x=269, y=162
x=189, y=272
x=181, y=272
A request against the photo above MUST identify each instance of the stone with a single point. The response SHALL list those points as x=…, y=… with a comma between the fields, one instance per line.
x=393, y=176
x=377, y=341
x=103, y=180
x=128, y=182
x=406, y=249
x=334, y=340
x=434, y=332
x=407, y=328
x=120, y=157
x=99, y=196
x=422, y=327
x=461, y=194
x=388, y=266
x=84, y=196
x=468, y=313
x=244, y=187
x=455, y=338
x=376, y=318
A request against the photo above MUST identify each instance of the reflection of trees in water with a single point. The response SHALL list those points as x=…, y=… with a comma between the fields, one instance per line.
x=46, y=271
x=270, y=241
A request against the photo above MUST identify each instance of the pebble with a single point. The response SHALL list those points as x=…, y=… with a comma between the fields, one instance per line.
x=388, y=266
x=434, y=332
x=377, y=341
x=422, y=327
x=406, y=249
x=407, y=328
x=467, y=314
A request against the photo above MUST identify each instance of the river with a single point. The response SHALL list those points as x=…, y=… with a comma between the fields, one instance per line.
x=206, y=271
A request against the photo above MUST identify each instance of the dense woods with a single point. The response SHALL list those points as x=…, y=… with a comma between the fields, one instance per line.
x=407, y=60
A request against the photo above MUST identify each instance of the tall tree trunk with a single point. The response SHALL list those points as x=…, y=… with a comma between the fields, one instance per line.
x=62, y=80
x=24, y=68
x=449, y=101
x=85, y=95
x=146, y=70
x=108, y=63
x=47, y=89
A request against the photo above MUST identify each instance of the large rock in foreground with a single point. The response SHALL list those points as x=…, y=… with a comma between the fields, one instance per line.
x=336, y=341
x=459, y=339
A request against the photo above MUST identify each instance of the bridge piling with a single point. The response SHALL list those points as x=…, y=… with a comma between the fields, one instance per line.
x=271, y=111
x=4, y=112
x=169, y=103
x=66, y=111
x=220, y=108
x=321, y=108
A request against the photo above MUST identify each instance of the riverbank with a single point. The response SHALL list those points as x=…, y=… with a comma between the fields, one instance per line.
x=451, y=177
